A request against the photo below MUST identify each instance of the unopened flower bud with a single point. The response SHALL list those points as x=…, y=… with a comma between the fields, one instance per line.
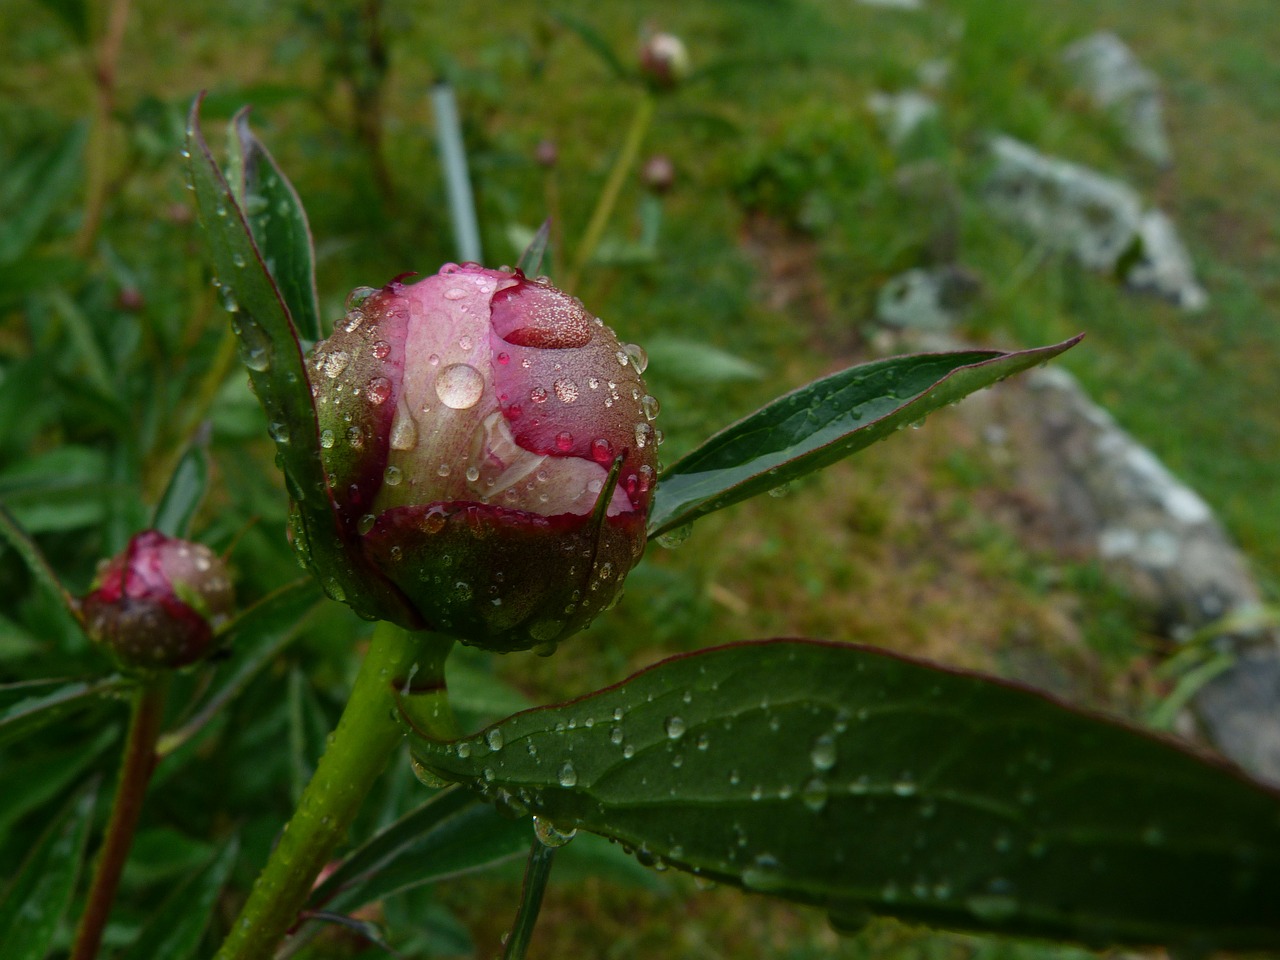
x=658, y=173
x=159, y=603
x=546, y=153
x=489, y=452
x=664, y=62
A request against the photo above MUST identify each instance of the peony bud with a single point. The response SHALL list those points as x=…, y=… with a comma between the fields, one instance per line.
x=658, y=173
x=469, y=424
x=664, y=62
x=157, y=604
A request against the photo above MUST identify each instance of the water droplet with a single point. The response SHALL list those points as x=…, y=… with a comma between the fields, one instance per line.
x=424, y=775
x=392, y=476
x=366, y=523
x=674, y=726
x=992, y=907
x=566, y=390
x=459, y=386
x=463, y=590
x=675, y=537
x=635, y=353
x=549, y=835
x=643, y=433
x=404, y=433
x=601, y=451
x=494, y=738
x=334, y=363
x=814, y=794
x=326, y=439
x=650, y=407
x=355, y=437
x=904, y=786
x=378, y=389
x=566, y=775
x=538, y=394
x=358, y=296
x=823, y=753
x=279, y=431
x=455, y=293
x=473, y=474
x=381, y=349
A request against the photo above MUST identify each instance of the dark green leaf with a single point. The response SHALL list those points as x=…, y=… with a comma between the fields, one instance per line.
x=37, y=897
x=823, y=422
x=28, y=707
x=868, y=783
x=595, y=42
x=255, y=638
x=175, y=927
x=33, y=191
x=45, y=776
x=280, y=228
x=13, y=534
x=450, y=834
x=73, y=13
x=185, y=491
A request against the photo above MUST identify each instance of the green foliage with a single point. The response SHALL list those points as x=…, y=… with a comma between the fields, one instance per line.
x=867, y=783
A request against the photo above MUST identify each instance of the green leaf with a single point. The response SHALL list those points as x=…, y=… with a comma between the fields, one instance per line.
x=595, y=42
x=263, y=324
x=12, y=533
x=37, y=897
x=535, y=249
x=186, y=489
x=175, y=928
x=44, y=776
x=280, y=228
x=864, y=782
x=33, y=190
x=451, y=834
x=257, y=636
x=696, y=363
x=822, y=422
x=30, y=706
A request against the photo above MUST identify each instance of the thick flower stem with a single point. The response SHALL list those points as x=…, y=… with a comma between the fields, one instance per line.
x=366, y=735
x=136, y=765
x=612, y=187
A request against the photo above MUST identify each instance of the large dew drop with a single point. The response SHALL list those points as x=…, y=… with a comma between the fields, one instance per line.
x=459, y=386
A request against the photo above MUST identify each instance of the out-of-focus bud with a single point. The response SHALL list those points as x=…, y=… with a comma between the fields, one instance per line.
x=546, y=153
x=158, y=604
x=489, y=451
x=664, y=61
x=658, y=173
x=130, y=299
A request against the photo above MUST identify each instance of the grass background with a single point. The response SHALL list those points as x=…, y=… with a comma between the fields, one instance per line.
x=784, y=221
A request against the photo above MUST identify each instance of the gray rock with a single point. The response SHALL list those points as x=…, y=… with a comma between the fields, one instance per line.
x=1116, y=81
x=1103, y=495
x=1096, y=218
x=902, y=114
x=923, y=299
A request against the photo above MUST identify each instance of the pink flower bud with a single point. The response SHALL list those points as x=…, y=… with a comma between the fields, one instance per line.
x=658, y=173
x=546, y=153
x=468, y=427
x=157, y=604
x=664, y=62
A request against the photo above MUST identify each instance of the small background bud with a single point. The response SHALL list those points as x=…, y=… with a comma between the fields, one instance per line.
x=546, y=153
x=658, y=173
x=664, y=62
x=157, y=604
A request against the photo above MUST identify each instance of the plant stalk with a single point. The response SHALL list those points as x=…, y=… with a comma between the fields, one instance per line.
x=612, y=188
x=537, y=872
x=364, y=739
x=136, y=764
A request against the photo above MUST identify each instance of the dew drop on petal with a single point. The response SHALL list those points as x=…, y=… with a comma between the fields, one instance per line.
x=601, y=451
x=564, y=441
x=404, y=434
x=566, y=390
x=459, y=386
x=381, y=349
x=378, y=389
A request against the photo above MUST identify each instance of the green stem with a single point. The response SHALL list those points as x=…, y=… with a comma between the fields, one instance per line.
x=537, y=872
x=136, y=765
x=365, y=738
x=612, y=187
